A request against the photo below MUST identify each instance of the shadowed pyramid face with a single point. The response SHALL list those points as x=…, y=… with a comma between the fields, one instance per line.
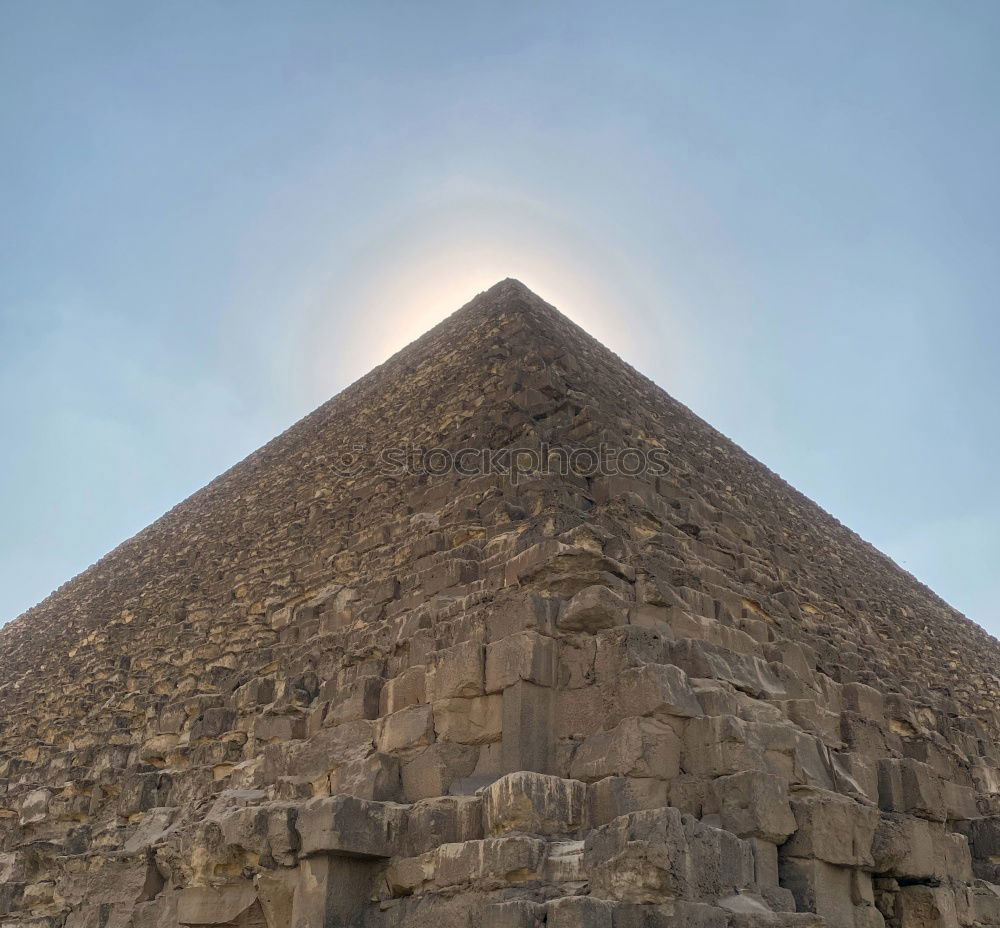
x=500, y=635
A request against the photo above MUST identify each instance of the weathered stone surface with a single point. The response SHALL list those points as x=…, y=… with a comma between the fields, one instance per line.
x=452, y=699
x=637, y=747
x=754, y=804
x=832, y=828
x=534, y=803
x=659, y=855
x=353, y=827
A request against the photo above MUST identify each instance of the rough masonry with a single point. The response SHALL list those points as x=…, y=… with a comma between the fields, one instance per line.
x=307, y=699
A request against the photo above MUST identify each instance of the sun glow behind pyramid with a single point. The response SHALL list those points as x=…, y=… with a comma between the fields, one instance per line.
x=431, y=264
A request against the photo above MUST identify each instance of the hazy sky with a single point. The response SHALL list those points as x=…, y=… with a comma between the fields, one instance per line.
x=215, y=215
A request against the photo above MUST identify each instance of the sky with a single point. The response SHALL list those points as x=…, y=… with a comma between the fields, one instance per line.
x=216, y=215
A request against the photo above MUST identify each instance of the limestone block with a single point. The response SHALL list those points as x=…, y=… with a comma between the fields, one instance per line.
x=214, y=905
x=35, y=806
x=578, y=712
x=456, y=672
x=653, y=689
x=592, y=609
x=357, y=700
x=534, y=803
x=331, y=890
x=746, y=672
x=912, y=849
x=407, y=731
x=476, y=720
x=718, y=746
x=444, y=820
x=373, y=776
x=151, y=830
x=564, y=863
x=626, y=646
x=272, y=727
x=141, y=792
x=431, y=772
x=637, y=747
x=407, y=689
x=266, y=831
x=522, y=656
x=517, y=913
x=213, y=723
x=316, y=757
x=960, y=802
x=522, y=612
x=920, y=906
x=407, y=875
x=526, y=723
x=614, y=796
x=258, y=692
x=275, y=893
x=659, y=855
x=754, y=804
x=986, y=905
x=349, y=826
x=906, y=785
x=865, y=700
x=832, y=828
x=578, y=912
x=160, y=912
x=984, y=836
x=490, y=863
x=821, y=888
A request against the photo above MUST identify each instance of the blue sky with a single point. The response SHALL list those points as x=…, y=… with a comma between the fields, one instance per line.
x=215, y=215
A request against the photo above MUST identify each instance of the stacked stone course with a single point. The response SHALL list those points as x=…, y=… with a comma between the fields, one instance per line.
x=692, y=699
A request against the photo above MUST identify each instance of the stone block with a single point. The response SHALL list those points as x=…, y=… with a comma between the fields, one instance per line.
x=444, y=820
x=492, y=863
x=516, y=913
x=214, y=905
x=913, y=849
x=906, y=785
x=718, y=746
x=527, y=742
x=351, y=827
x=407, y=689
x=523, y=656
x=407, y=731
x=35, y=806
x=578, y=912
x=456, y=672
x=832, y=828
x=821, y=888
x=636, y=747
x=653, y=689
x=618, y=649
x=592, y=609
x=476, y=720
x=431, y=772
x=920, y=906
x=866, y=701
x=331, y=890
x=534, y=803
x=614, y=796
x=754, y=804
x=373, y=776
x=521, y=612
x=660, y=855
x=747, y=673
x=357, y=700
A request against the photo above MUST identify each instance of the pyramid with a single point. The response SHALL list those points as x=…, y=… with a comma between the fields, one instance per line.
x=500, y=636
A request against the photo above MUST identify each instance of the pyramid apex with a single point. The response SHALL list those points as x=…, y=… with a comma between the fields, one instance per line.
x=510, y=286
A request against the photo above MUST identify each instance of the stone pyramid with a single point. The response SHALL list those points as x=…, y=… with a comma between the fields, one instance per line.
x=330, y=690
